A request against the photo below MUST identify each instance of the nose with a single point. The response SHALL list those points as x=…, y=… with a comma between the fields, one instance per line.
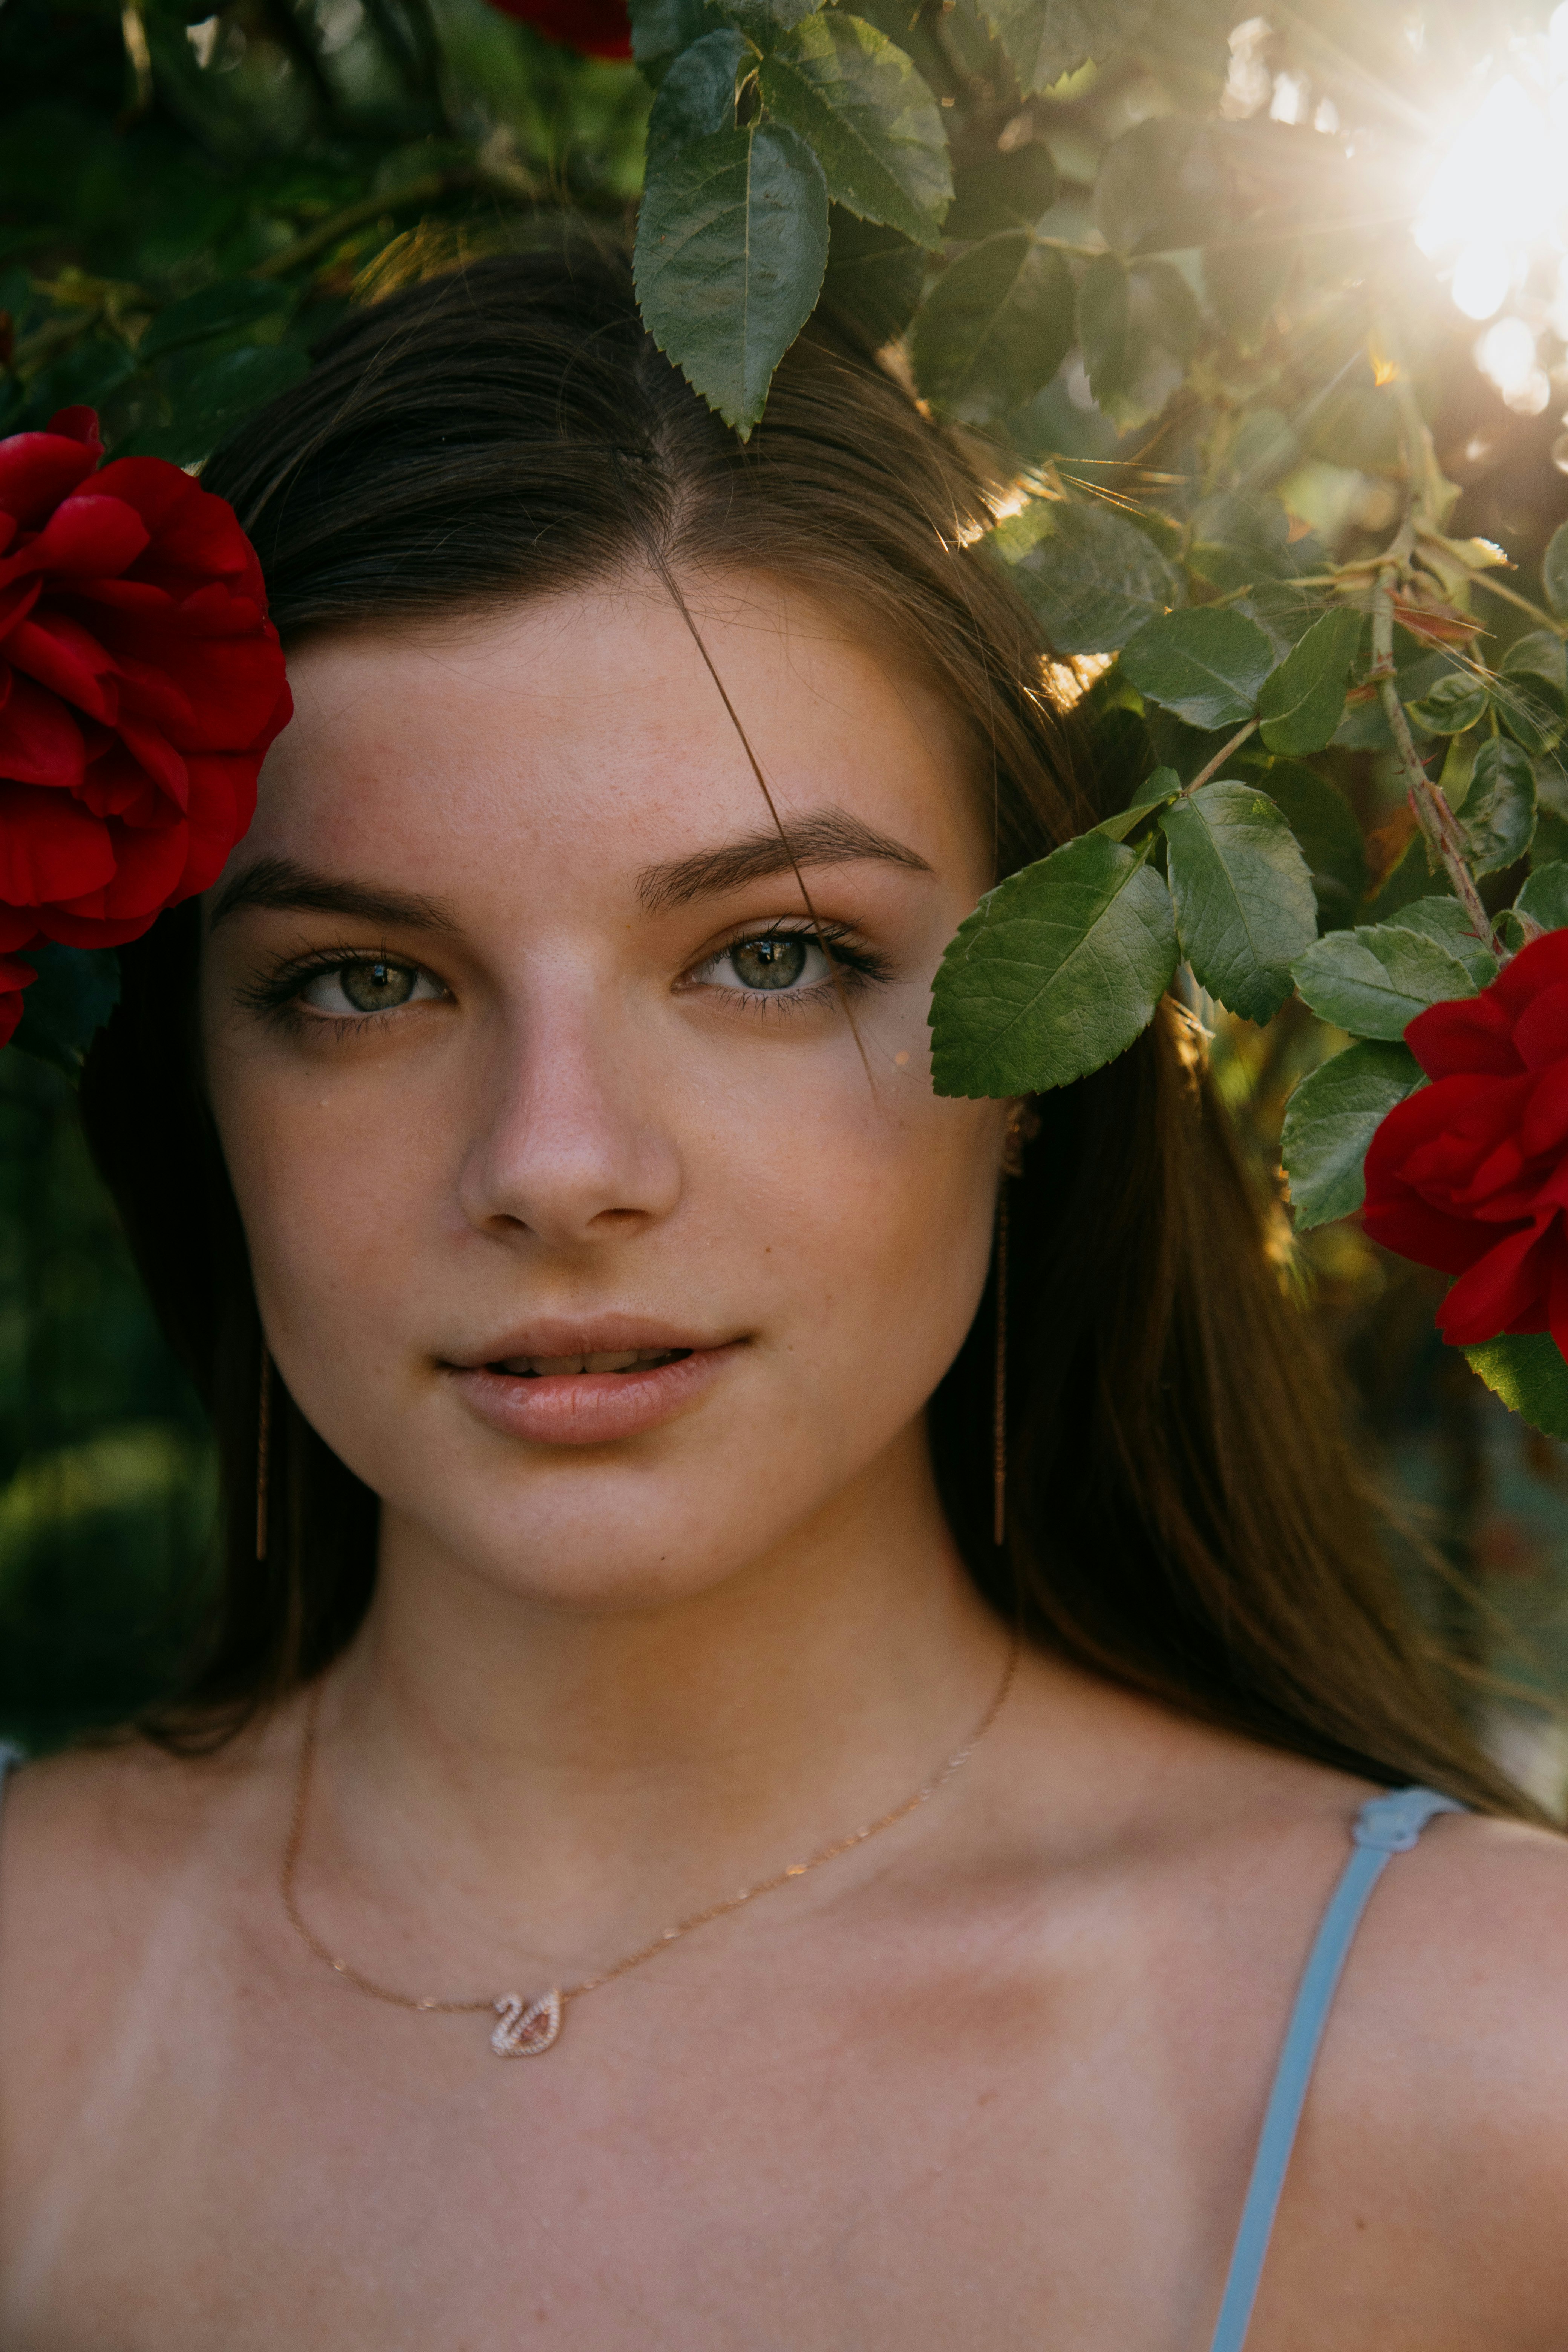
x=570, y=1139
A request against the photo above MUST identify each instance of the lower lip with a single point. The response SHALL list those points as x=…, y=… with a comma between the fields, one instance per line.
x=590, y=1408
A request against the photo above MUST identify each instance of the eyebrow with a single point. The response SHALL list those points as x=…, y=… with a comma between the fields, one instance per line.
x=829, y=837
x=282, y=882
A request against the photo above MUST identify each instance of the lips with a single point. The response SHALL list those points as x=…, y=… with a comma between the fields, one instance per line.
x=590, y=1384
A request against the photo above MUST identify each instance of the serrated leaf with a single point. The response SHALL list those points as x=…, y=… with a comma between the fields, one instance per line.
x=1002, y=191
x=1137, y=327
x=767, y=20
x=1055, y=972
x=1526, y=1368
x=871, y=120
x=731, y=250
x=697, y=96
x=1544, y=898
x=874, y=276
x=1155, y=792
x=1303, y=701
x=1445, y=920
x=1332, y=1118
x=1499, y=806
x=1243, y=896
x=221, y=309
x=1455, y=702
x=1048, y=38
x=1375, y=981
x=1090, y=578
x=1554, y=571
x=1327, y=833
x=1205, y=666
x=996, y=326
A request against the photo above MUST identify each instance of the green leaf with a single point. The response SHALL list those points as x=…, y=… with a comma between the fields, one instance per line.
x=1244, y=283
x=871, y=122
x=765, y=20
x=662, y=28
x=1375, y=981
x=1244, y=899
x=1537, y=655
x=1527, y=1371
x=1445, y=920
x=697, y=96
x=731, y=250
x=76, y=990
x=995, y=327
x=1499, y=806
x=1455, y=702
x=1532, y=711
x=1002, y=191
x=874, y=276
x=1048, y=38
x=1090, y=577
x=1554, y=571
x=1155, y=792
x=1157, y=187
x=1544, y=898
x=1329, y=838
x=1055, y=972
x=1205, y=666
x=233, y=304
x=1330, y=1119
x=1302, y=703
x=220, y=396
x=1137, y=327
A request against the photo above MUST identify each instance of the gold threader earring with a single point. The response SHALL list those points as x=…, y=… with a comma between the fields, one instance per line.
x=263, y=1451
x=1012, y=1165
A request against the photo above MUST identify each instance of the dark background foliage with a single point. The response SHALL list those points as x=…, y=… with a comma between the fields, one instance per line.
x=190, y=195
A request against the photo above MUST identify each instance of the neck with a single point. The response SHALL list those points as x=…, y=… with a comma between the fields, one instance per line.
x=586, y=1770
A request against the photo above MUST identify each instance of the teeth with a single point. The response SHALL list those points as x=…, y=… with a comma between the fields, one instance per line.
x=616, y=1360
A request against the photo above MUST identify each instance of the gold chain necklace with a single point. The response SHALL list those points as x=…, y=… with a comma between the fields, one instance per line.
x=528, y=2028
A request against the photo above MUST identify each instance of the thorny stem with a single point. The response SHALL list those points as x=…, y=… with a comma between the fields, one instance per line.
x=1440, y=828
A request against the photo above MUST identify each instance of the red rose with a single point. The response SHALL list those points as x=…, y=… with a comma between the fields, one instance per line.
x=141, y=684
x=595, y=28
x=1472, y=1173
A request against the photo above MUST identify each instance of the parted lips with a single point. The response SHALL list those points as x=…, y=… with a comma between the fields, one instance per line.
x=1470, y=1173
x=141, y=684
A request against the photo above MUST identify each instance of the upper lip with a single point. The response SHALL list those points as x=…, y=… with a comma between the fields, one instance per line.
x=592, y=1334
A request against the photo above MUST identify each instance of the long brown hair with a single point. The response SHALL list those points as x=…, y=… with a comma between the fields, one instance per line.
x=1185, y=1516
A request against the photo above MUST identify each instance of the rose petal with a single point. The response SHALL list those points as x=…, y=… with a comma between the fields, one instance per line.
x=1472, y=1033
x=40, y=742
x=50, y=847
x=37, y=470
x=57, y=652
x=1511, y=1281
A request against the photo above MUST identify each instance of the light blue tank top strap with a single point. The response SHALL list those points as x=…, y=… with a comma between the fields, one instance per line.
x=1384, y=1827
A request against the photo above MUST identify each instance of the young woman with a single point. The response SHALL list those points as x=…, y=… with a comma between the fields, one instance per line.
x=639, y=1862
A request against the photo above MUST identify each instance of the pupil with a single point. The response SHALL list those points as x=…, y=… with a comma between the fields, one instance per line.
x=374, y=987
x=770, y=963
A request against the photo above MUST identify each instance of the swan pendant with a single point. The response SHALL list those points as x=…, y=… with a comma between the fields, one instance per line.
x=525, y=2031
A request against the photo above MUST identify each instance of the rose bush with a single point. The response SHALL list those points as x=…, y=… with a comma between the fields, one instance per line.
x=141, y=684
x=595, y=28
x=1470, y=1173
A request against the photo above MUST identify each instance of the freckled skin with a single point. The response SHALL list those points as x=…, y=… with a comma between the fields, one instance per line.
x=991, y=2079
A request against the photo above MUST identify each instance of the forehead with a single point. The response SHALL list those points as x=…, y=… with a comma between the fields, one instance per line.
x=584, y=734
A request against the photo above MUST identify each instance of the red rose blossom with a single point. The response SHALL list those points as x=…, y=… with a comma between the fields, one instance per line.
x=141, y=684
x=1472, y=1173
x=595, y=28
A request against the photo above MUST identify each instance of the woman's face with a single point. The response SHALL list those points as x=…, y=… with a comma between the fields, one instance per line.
x=602, y=1224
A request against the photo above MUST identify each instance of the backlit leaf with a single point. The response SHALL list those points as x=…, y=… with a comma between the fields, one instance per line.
x=1375, y=981
x=1527, y=1371
x=1302, y=703
x=1048, y=38
x=1137, y=327
x=869, y=117
x=1090, y=577
x=1055, y=972
x=1332, y=1118
x=1243, y=896
x=996, y=326
x=1002, y=191
x=1499, y=806
x=730, y=249
x=1158, y=187
x=1205, y=666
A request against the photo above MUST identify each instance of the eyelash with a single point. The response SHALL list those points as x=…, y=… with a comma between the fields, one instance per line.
x=274, y=997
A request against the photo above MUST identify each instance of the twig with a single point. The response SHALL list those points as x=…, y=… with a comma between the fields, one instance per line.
x=1512, y=596
x=421, y=191
x=1440, y=828
x=1221, y=756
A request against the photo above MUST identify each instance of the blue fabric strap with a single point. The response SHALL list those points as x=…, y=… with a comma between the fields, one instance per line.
x=1384, y=1826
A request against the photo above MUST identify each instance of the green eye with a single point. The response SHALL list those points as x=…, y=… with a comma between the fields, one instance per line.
x=374, y=985
x=774, y=961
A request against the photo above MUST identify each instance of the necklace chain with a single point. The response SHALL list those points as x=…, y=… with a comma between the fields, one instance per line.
x=556, y=2000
